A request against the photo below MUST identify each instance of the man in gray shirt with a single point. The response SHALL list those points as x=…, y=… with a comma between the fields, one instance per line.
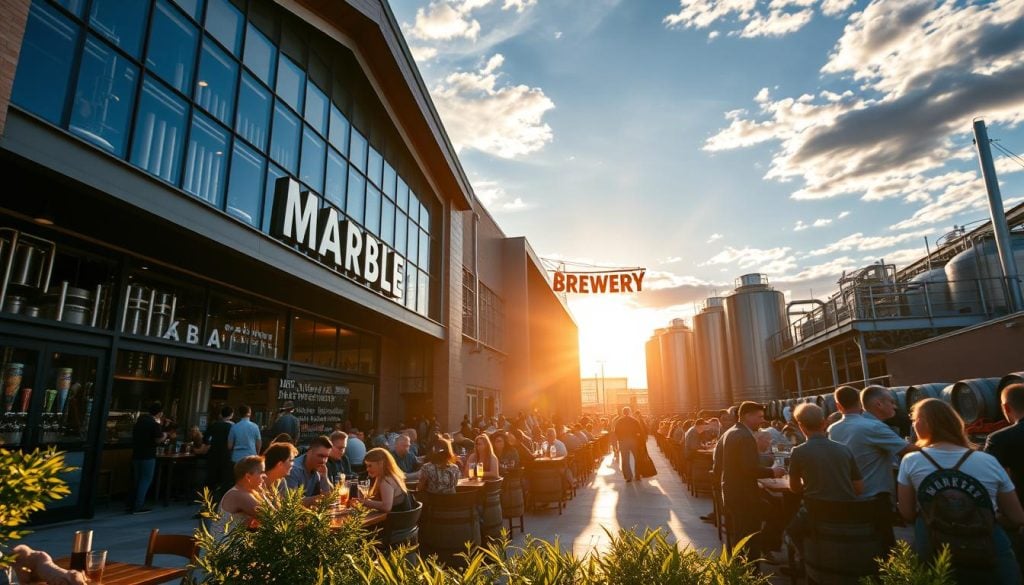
x=309, y=473
x=875, y=445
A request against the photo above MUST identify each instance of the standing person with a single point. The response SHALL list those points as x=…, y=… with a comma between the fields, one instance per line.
x=218, y=458
x=146, y=435
x=244, y=438
x=286, y=422
x=628, y=433
x=873, y=443
x=819, y=469
x=740, y=472
x=951, y=492
x=309, y=473
x=726, y=420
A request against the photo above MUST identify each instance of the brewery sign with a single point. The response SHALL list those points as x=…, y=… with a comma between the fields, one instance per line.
x=340, y=244
x=318, y=405
x=626, y=281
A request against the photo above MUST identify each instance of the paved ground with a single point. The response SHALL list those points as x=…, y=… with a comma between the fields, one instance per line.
x=608, y=502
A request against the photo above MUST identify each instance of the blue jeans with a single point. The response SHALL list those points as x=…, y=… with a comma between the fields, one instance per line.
x=143, y=470
x=627, y=452
x=1005, y=572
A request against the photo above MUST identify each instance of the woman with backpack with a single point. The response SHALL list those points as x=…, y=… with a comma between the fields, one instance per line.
x=952, y=493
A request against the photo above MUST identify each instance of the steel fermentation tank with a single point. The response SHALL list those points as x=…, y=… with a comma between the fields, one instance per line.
x=712, y=353
x=754, y=312
x=679, y=376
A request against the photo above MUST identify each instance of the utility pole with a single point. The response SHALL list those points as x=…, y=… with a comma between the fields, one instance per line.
x=604, y=389
x=998, y=216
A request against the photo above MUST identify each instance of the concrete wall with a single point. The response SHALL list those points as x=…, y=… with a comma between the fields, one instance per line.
x=992, y=349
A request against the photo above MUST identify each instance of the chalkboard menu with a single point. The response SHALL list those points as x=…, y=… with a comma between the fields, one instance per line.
x=318, y=405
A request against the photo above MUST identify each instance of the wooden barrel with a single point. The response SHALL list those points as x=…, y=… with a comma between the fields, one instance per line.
x=919, y=392
x=977, y=399
x=947, y=394
x=1013, y=378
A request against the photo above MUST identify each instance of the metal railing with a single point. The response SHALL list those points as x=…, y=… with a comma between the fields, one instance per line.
x=984, y=298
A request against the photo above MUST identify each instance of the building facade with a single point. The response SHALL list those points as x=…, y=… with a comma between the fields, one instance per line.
x=225, y=202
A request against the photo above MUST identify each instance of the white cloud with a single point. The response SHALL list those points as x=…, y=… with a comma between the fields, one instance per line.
x=714, y=237
x=443, y=21
x=826, y=273
x=901, y=257
x=713, y=35
x=558, y=34
x=670, y=260
x=518, y=5
x=800, y=226
x=954, y=201
x=496, y=198
x=771, y=260
x=776, y=23
x=822, y=222
x=500, y=119
x=862, y=243
x=758, y=18
x=842, y=214
x=421, y=53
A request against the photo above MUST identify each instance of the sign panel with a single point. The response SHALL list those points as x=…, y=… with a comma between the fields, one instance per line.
x=599, y=282
x=318, y=405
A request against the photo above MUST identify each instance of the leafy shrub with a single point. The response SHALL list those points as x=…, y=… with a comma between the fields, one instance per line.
x=30, y=480
x=903, y=567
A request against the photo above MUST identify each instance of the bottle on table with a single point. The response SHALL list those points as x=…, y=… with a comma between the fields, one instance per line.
x=479, y=470
x=553, y=451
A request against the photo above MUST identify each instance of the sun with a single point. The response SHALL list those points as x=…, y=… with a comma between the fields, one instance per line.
x=613, y=331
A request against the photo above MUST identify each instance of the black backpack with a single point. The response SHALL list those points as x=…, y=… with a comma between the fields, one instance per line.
x=958, y=513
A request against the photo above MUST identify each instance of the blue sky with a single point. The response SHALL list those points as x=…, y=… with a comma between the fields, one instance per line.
x=705, y=139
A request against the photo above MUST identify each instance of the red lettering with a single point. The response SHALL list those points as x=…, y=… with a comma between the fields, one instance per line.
x=627, y=283
x=570, y=282
x=559, y=284
x=600, y=283
x=639, y=281
x=613, y=284
x=584, y=283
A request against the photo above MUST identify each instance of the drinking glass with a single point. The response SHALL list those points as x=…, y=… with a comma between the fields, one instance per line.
x=364, y=489
x=95, y=562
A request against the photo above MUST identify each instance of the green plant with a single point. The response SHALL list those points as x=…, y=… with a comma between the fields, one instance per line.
x=903, y=567
x=30, y=481
x=290, y=544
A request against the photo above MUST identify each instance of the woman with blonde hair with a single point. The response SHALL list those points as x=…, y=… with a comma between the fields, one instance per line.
x=935, y=475
x=483, y=452
x=388, y=492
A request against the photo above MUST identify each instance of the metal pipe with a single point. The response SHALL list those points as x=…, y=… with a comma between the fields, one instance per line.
x=62, y=299
x=995, y=209
x=96, y=304
x=149, y=310
x=7, y=269
x=124, y=311
x=832, y=364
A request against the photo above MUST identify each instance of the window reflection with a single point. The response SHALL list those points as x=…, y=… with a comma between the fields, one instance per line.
x=424, y=260
x=215, y=88
x=303, y=334
x=193, y=7
x=312, y=171
x=44, y=65
x=422, y=288
x=73, y=6
x=388, y=184
x=374, y=166
x=224, y=22
x=245, y=184
x=410, y=286
x=122, y=23
x=357, y=156
x=291, y=82
x=414, y=208
x=373, y=210
x=284, y=144
x=412, y=243
x=103, y=100
x=387, y=223
x=172, y=47
x=403, y=195
x=354, y=203
x=159, y=131
x=253, y=120
x=316, y=108
x=260, y=55
x=400, y=224
x=273, y=174
x=334, y=190
x=207, y=160
x=339, y=130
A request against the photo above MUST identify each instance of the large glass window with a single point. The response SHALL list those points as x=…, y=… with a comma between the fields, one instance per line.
x=159, y=131
x=193, y=7
x=260, y=55
x=103, y=100
x=253, y=120
x=225, y=23
x=339, y=130
x=44, y=66
x=284, y=144
x=412, y=243
x=387, y=223
x=374, y=166
x=401, y=222
x=316, y=108
x=291, y=82
x=245, y=185
x=424, y=261
x=172, y=47
x=312, y=168
x=403, y=195
x=357, y=154
x=354, y=203
x=334, y=190
x=422, y=290
x=206, y=164
x=373, y=209
x=388, y=185
x=121, y=22
x=73, y=6
x=215, y=88
x=424, y=217
x=410, y=286
x=414, y=208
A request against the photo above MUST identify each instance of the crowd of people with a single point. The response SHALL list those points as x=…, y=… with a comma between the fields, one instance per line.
x=951, y=491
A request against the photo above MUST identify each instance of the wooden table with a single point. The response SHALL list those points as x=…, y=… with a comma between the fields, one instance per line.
x=775, y=484
x=170, y=462
x=117, y=573
x=372, y=519
x=465, y=482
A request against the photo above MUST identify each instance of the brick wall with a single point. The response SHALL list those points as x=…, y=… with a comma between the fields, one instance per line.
x=13, y=16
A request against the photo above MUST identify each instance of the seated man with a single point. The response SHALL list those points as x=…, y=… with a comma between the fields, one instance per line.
x=692, y=439
x=337, y=460
x=764, y=448
x=405, y=459
x=309, y=473
x=820, y=469
x=277, y=463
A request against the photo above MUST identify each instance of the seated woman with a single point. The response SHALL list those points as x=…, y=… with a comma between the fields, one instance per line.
x=440, y=474
x=388, y=491
x=238, y=506
x=508, y=458
x=483, y=452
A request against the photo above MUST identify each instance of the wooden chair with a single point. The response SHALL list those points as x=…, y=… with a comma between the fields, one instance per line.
x=512, y=499
x=546, y=479
x=401, y=528
x=170, y=544
x=492, y=517
x=844, y=538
